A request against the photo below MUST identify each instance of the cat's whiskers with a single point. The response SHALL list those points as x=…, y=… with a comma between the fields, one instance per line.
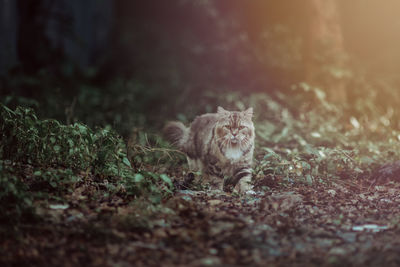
x=225, y=143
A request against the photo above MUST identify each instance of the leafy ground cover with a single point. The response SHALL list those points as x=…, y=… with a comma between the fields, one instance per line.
x=299, y=225
x=72, y=194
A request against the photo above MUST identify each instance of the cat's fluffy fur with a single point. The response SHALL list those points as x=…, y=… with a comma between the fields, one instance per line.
x=220, y=145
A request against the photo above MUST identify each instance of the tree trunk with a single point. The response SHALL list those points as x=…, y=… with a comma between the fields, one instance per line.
x=8, y=35
x=81, y=29
x=324, y=37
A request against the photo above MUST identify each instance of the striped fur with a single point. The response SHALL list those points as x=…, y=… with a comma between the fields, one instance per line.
x=176, y=133
x=242, y=176
x=220, y=145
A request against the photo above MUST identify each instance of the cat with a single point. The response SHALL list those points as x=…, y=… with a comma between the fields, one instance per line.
x=220, y=145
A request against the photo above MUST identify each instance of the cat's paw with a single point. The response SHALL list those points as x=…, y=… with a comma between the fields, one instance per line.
x=250, y=192
x=244, y=187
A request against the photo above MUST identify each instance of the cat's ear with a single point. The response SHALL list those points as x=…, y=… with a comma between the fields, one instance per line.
x=221, y=110
x=248, y=112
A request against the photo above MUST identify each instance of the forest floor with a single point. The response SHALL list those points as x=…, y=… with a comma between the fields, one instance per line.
x=343, y=223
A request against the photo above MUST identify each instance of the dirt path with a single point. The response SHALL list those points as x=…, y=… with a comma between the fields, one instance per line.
x=292, y=226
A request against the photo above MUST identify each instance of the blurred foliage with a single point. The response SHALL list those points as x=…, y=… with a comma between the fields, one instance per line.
x=16, y=201
x=299, y=132
x=27, y=139
x=43, y=159
x=302, y=137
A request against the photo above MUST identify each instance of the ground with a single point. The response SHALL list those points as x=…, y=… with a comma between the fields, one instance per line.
x=323, y=197
x=343, y=223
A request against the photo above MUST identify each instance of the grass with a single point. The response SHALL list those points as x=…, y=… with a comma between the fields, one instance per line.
x=301, y=138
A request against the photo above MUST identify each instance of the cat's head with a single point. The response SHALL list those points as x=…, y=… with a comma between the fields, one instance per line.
x=234, y=130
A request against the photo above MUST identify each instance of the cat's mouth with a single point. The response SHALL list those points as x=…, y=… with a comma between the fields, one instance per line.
x=234, y=141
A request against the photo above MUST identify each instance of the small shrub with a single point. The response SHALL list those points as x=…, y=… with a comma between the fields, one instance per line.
x=25, y=138
x=60, y=157
x=16, y=201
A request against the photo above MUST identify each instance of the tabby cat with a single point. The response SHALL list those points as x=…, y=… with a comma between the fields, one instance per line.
x=220, y=145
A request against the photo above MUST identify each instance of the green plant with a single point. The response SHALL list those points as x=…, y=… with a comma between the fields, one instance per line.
x=55, y=181
x=25, y=138
x=55, y=159
x=16, y=201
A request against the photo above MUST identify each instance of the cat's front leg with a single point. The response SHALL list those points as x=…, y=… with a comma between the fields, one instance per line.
x=245, y=186
x=214, y=176
x=241, y=177
x=195, y=164
x=215, y=182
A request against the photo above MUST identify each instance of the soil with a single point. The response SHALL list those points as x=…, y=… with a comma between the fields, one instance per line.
x=344, y=224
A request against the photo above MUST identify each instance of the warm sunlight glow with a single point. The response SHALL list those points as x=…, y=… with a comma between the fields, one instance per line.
x=200, y=133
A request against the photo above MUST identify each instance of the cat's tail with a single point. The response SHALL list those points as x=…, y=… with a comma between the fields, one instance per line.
x=176, y=133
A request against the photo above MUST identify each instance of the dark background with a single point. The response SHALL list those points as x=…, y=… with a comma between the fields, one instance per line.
x=127, y=62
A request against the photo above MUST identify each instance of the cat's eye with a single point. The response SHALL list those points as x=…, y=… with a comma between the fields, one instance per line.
x=241, y=128
x=227, y=127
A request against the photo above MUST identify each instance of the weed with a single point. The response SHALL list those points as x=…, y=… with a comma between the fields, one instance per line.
x=61, y=156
